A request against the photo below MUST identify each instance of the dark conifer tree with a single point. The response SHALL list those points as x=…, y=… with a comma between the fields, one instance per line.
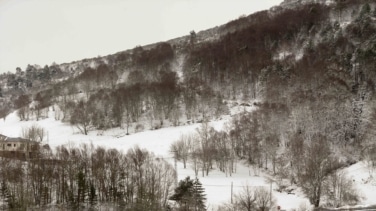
x=190, y=195
x=199, y=196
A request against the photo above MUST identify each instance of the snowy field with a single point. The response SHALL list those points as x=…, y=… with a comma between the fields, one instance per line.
x=217, y=185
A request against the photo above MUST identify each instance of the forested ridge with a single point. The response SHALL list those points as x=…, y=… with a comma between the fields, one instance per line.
x=308, y=69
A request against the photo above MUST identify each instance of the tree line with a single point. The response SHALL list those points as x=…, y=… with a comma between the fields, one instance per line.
x=155, y=102
x=87, y=177
x=165, y=99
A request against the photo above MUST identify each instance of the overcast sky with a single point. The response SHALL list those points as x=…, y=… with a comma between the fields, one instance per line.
x=45, y=31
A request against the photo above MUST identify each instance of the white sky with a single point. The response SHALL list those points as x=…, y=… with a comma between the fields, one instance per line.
x=45, y=31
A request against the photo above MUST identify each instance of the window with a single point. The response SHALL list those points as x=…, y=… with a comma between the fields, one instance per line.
x=9, y=145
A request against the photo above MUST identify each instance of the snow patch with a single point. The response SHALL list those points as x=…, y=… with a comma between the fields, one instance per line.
x=364, y=178
x=299, y=54
x=177, y=66
x=282, y=55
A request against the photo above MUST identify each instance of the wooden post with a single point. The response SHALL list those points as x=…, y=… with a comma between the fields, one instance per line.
x=232, y=186
x=271, y=189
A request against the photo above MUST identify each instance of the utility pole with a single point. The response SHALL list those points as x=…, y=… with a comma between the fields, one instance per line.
x=270, y=180
x=176, y=171
x=176, y=167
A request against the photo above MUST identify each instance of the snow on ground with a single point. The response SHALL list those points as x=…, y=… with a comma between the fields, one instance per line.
x=365, y=181
x=177, y=66
x=60, y=133
x=217, y=185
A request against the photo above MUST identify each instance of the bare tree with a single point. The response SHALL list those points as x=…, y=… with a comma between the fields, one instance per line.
x=80, y=117
x=195, y=159
x=264, y=199
x=182, y=148
x=340, y=190
x=316, y=168
x=34, y=133
x=23, y=113
x=41, y=103
x=207, y=147
x=246, y=200
x=252, y=198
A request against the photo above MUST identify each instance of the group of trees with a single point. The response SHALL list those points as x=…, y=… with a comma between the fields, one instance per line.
x=123, y=106
x=98, y=97
x=276, y=138
x=92, y=79
x=139, y=100
x=252, y=136
x=148, y=57
x=97, y=102
x=35, y=107
x=34, y=133
x=234, y=63
x=87, y=176
x=204, y=149
x=32, y=78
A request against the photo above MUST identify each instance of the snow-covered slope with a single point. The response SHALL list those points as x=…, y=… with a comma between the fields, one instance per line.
x=217, y=185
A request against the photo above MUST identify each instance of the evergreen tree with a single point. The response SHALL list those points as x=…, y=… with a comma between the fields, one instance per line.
x=198, y=193
x=183, y=192
x=189, y=195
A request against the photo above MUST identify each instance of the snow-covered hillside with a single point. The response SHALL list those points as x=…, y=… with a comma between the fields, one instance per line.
x=217, y=185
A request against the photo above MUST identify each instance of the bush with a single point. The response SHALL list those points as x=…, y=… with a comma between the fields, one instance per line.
x=139, y=128
x=250, y=198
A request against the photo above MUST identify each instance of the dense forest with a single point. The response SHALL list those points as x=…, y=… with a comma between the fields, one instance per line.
x=308, y=69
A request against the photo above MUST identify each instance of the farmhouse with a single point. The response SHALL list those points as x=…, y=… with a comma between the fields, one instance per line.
x=17, y=147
